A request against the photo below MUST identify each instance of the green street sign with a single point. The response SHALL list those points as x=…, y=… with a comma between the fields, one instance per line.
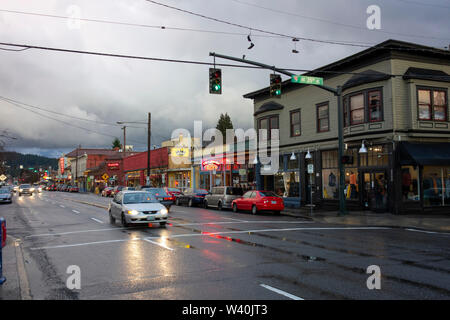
x=307, y=80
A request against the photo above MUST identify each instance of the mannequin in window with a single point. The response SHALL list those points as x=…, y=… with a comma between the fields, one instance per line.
x=406, y=182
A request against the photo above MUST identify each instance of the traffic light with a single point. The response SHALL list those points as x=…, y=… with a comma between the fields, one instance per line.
x=275, y=85
x=215, y=81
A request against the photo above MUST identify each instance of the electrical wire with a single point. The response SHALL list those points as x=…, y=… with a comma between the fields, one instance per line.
x=334, y=22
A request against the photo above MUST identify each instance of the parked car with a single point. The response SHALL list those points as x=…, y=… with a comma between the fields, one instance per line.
x=37, y=188
x=256, y=201
x=116, y=190
x=137, y=207
x=106, y=192
x=62, y=187
x=222, y=197
x=73, y=189
x=5, y=195
x=26, y=189
x=191, y=197
x=52, y=187
x=16, y=188
x=161, y=195
x=173, y=191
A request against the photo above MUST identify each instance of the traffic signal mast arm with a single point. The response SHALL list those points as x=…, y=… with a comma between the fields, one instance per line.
x=338, y=93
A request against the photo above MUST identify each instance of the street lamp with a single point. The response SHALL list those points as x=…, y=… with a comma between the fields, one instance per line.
x=308, y=155
x=293, y=157
x=363, y=148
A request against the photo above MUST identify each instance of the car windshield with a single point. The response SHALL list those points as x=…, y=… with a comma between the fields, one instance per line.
x=157, y=192
x=131, y=188
x=267, y=194
x=138, y=197
x=173, y=190
x=201, y=191
x=25, y=186
x=4, y=190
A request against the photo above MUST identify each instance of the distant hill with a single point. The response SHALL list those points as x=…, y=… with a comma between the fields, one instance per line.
x=14, y=160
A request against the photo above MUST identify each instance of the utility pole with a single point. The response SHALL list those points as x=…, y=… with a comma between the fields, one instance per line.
x=338, y=93
x=76, y=167
x=124, y=128
x=149, y=135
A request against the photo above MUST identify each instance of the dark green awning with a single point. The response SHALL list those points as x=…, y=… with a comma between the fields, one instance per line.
x=430, y=154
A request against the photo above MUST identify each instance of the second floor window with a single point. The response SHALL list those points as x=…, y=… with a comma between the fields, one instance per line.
x=432, y=104
x=295, y=123
x=268, y=123
x=357, y=109
x=374, y=105
x=323, y=119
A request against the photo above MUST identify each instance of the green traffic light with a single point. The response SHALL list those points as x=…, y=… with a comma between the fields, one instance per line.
x=217, y=87
x=277, y=92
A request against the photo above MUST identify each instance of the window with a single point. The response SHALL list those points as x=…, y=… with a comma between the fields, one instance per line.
x=323, y=119
x=362, y=107
x=330, y=174
x=268, y=123
x=436, y=186
x=357, y=109
x=432, y=104
x=295, y=123
x=374, y=105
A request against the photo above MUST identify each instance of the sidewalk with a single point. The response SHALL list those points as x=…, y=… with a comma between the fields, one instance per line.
x=10, y=290
x=426, y=221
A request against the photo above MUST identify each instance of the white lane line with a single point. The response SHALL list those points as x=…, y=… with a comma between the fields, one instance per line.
x=283, y=293
x=159, y=244
x=76, y=211
x=99, y=221
x=85, y=244
x=214, y=233
x=240, y=222
x=62, y=206
x=71, y=232
x=430, y=232
x=235, y=219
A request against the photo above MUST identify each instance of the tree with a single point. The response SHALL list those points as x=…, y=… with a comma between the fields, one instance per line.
x=116, y=143
x=224, y=123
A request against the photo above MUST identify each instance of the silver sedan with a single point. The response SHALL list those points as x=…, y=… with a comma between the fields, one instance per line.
x=137, y=207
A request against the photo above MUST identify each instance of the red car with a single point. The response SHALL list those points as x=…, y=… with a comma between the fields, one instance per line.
x=255, y=201
x=107, y=192
x=173, y=192
x=72, y=189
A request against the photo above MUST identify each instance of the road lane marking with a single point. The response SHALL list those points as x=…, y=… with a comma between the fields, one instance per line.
x=235, y=219
x=62, y=206
x=71, y=232
x=240, y=222
x=76, y=211
x=99, y=221
x=159, y=244
x=211, y=234
x=283, y=293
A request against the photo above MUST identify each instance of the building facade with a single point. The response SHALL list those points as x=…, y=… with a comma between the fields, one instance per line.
x=396, y=132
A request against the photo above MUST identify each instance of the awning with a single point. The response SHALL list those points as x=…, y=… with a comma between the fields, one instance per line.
x=430, y=154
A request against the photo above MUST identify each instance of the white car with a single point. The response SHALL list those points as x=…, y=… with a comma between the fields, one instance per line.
x=137, y=207
x=5, y=195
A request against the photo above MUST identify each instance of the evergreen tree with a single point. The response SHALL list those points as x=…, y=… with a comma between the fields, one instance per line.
x=224, y=123
x=116, y=144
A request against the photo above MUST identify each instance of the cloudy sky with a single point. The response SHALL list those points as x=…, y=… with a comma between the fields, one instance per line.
x=107, y=89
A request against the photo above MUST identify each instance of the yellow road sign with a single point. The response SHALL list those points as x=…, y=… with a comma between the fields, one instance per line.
x=105, y=177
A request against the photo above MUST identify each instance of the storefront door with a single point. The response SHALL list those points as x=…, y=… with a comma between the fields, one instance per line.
x=375, y=190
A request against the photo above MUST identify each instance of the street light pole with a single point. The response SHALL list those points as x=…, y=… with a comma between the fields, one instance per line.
x=338, y=93
x=149, y=134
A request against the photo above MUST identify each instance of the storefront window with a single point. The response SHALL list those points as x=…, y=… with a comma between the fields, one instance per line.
x=287, y=184
x=330, y=174
x=436, y=186
x=292, y=164
x=351, y=183
x=410, y=183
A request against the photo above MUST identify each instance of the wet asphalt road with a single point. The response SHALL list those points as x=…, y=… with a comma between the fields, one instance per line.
x=208, y=254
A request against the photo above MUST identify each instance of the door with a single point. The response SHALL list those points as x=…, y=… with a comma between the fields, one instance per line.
x=375, y=191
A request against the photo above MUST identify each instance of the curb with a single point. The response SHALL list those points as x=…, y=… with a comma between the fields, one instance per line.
x=24, y=285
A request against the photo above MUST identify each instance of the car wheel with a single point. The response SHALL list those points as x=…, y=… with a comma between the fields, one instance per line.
x=190, y=204
x=219, y=206
x=112, y=220
x=235, y=208
x=162, y=224
x=205, y=204
x=254, y=211
x=123, y=221
x=277, y=212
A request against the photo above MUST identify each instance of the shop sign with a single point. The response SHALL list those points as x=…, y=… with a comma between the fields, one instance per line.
x=210, y=165
x=180, y=152
x=61, y=165
x=242, y=172
x=113, y=165
x=310, y=168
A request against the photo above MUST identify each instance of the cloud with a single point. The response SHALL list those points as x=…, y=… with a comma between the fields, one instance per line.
x=112, y=89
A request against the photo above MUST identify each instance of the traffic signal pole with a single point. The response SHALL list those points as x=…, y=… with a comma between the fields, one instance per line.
x=338, y=93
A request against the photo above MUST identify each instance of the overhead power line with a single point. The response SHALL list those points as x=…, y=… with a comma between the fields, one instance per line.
x=208, y=63
x=292, y=14
x=61, y=121
x=436, y=5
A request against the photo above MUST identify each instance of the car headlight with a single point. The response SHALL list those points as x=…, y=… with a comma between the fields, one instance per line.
x=31, y=189
x=20, y=190
x=133, y=212
x=164, y=211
